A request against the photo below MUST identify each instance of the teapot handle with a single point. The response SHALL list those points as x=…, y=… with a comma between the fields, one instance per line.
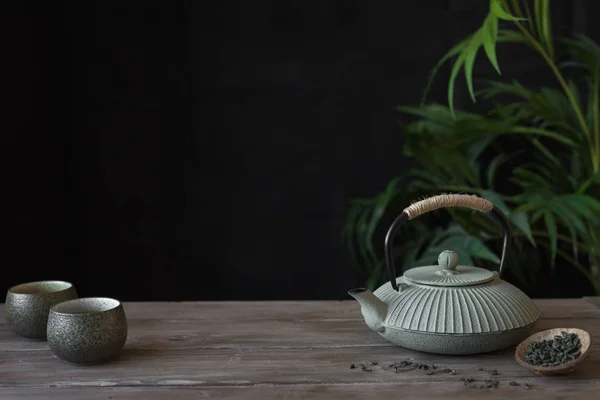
x=443, y=201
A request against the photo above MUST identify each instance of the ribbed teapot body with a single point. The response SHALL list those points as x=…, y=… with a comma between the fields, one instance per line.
x=495, y=306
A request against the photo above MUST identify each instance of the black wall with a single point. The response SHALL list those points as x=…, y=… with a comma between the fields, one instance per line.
x=183, y=150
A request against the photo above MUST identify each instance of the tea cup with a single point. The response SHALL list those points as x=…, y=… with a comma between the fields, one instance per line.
x=89, y=330
x=27, y=306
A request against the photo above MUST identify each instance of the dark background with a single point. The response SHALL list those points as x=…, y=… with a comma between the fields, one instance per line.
x=195, y=150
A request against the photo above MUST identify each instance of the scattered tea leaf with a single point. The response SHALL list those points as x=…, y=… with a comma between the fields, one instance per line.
x=492, y=383
x=489, y=371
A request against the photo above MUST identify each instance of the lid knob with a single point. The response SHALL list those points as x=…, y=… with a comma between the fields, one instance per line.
x=448, y=260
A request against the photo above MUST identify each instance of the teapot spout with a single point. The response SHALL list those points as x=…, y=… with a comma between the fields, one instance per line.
x=373, y=310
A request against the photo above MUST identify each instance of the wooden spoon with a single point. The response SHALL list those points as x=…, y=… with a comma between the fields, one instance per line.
x=584, y=338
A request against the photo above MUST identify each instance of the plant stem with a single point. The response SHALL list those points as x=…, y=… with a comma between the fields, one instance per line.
x=567, y=90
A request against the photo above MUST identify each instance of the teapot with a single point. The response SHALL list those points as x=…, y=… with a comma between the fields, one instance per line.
x=448, y=308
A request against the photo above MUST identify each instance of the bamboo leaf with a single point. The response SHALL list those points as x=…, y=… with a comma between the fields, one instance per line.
x=544, y=150
x=547, y=27
x=468, y=247
x=537, y=215
x=543, y=132
x=569, y=224
x=454, y=51
x=489, y=38
x=583, y=204
x=477, y=249
x=519, y=219
x=498, y=11
x=453, y=74
x=543, y=24
x=493, y=166
x=584, y=51
x=594, y=179
x=471, y=54
x=506, y=35
x=575, y=218
x=370, y=220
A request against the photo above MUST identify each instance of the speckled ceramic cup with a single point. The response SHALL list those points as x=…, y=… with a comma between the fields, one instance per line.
x=27, y=306
x=89, y=330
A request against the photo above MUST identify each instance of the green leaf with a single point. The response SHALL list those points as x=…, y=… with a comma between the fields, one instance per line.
x=567, y=223
x=489, y=38
x=516, y=8
x=468, y=248
x=547, y=109
x=543, y=132
x=573, y=222
x=493, y=166
x=583, y=204
x=544, y=150
x=552, y=233
x=585, y=186
x=455, y=50
x=527, y=207
x=474, y=149
x=453, y=74
x=543, y=24
x=477, y=249
x=507, y=35
x=531, y=179
x=497, y=10
x=537, y=215
x=584, y=51
x=383, y=200
x=471, y=54
x=519, y=219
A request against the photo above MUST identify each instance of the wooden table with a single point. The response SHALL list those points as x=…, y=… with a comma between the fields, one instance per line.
x=268, y=350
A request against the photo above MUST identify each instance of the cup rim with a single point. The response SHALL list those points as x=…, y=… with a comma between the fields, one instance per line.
x=12, y=289
x=54, y=308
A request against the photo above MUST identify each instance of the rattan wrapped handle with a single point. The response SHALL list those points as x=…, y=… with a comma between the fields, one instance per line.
x=437, y=202
x=447, y=201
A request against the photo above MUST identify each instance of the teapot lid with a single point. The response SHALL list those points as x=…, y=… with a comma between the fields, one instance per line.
x=449, y=273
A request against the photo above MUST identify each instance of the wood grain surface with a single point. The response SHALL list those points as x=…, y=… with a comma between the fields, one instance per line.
x=278, y=350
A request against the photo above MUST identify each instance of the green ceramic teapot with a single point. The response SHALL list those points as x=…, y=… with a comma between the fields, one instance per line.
x=448, y=308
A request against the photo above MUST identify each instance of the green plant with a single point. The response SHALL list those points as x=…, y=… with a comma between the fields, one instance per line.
x=549, y=187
